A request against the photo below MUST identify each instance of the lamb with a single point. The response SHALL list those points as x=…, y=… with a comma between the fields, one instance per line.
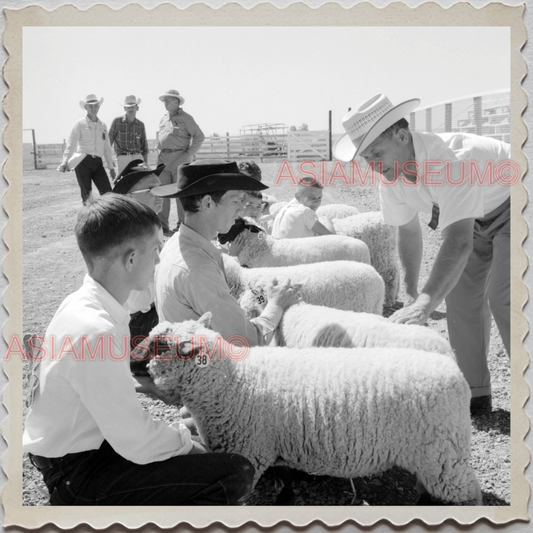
x=262, y=250
x=304, y=325
x=344, y=412
x=337, y=211
x=381, y=241
x=339, y=284
x=277, y=207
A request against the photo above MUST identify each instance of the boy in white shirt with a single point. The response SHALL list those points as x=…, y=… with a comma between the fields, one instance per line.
x=86, y=431
x=298, y=218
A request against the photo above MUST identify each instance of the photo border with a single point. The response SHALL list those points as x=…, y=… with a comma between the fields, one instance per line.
x=396, y=14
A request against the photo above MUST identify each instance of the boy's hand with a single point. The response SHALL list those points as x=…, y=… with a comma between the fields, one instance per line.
x=146, y=385
x=284, y=294
x=235, y=247
x=63, y=167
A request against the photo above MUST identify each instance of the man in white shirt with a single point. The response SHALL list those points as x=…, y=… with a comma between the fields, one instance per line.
x=453, y=177
x=86, y=430
x=88, y=144
x=190, y=280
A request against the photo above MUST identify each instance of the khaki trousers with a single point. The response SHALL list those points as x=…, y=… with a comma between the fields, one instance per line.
x=484, y=290
x=172, y=160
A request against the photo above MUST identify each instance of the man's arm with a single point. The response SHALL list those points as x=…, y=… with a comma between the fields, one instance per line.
x=410, y=248
x=72, y=144
x=320, y=229
x=145, y=150
x=197, y=138
x=449, y=265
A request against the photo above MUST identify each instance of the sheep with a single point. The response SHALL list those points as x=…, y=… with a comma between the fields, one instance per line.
x=262, y=250
x=337, y=211
x=275, y=208
x=344, y=412
x=381, y=241
x=339, y=284
x=304, y=325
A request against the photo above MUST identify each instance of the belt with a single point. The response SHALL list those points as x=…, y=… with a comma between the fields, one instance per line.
x=169, y=150
x=130, y=153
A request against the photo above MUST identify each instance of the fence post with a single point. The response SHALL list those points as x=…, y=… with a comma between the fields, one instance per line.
x=34, y=149
x=428, y=119
x=330, y=148
x=477, y=115
x=448, y=117
x=412, y=121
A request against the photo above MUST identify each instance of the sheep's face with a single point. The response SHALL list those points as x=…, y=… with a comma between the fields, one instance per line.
x=253, y=302
x=241, y=224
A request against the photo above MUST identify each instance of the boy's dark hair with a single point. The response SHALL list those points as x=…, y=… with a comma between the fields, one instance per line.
x=251, y=168
x=401, y=124
x=258, y=195
x=309, y=182
x=191, y=203
x=110, y=221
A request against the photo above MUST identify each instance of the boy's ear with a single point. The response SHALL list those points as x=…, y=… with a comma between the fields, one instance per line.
x=129, y=257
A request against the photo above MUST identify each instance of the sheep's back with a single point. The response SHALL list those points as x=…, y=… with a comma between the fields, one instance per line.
x=337, y=211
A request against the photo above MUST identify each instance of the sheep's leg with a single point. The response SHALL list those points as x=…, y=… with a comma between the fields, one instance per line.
x=353, y=490
x=282, y=476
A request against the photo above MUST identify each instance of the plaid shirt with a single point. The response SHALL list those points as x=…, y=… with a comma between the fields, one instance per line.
x=128, y=138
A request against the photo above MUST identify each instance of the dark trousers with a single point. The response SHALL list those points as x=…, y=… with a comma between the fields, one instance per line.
x=102, y=477
x=91, y=169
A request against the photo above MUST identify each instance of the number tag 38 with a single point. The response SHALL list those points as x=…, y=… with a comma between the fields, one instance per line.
x=202, y=360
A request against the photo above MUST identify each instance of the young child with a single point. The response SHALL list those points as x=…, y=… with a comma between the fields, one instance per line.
x=86, y=431
x=252, y=202
x=298, y=218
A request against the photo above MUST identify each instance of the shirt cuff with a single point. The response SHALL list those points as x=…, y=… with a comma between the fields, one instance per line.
x=185, y=437
x=269, y=319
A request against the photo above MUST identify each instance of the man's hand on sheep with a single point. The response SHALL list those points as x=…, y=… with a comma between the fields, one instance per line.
x=146, y=385
x=416, y=313
x=283, y=294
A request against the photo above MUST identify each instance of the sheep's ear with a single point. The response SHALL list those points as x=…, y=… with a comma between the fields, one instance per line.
x=256, y=292
x=205, y=320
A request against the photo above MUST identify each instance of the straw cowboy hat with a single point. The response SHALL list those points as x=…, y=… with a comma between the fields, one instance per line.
x=90, y=99
x=133, y=172
x=207, y=176
x=131, y=101
x=366, y=123
x=173, y=93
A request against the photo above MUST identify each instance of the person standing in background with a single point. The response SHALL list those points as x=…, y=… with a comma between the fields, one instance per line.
x=87, y=145
x=178, y=140
x=128, y=135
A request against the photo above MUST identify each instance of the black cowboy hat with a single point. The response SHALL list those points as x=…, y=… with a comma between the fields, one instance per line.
x=133, y=172
x=205, y=176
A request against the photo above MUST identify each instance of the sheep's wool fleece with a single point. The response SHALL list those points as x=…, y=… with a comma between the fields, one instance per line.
x=339, y=412
x=339, y=284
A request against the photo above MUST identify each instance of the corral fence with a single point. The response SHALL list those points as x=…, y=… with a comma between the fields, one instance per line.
x=484, y=114
x=293, y=145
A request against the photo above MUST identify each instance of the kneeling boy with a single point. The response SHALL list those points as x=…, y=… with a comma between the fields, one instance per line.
x=86, y=430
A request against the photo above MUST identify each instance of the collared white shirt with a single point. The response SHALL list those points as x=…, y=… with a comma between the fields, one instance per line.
x=88, y=137
x=443, y=162
x=190, y=281
x=86, y=392
x=294, y=221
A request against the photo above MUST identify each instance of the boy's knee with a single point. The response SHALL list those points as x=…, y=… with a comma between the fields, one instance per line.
x=243, y=476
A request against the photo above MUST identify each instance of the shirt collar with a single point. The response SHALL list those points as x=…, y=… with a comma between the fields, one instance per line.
x=178, y=112
x=89, y=121
x=201, y=242
x=117, y=311
x=124, y=119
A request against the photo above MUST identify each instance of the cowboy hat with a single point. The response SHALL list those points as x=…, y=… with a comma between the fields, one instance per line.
x=205, y=176
x=131, y=101
x=366, y=123
x=133, y=172
x=174, y=94
x=90, y=99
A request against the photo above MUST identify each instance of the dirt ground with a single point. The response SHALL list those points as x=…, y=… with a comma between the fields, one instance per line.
x=53, y=268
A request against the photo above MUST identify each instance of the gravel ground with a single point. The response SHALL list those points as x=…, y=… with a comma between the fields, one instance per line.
x=53, y=268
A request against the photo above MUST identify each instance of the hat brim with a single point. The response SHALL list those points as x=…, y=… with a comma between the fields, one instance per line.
x=180, y=98
x=83, y=104
x=211, y=183
x=345, y=149
x=127, y=182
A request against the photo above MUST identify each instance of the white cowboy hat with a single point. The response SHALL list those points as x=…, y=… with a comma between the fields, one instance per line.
x=367, y=122
x=173, y=93
x=90, y=99
x=131, y=101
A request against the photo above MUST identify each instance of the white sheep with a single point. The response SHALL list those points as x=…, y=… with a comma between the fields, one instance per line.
x=337, y=211
x=305, y=325
x=381, y=241
x=344, y=412
x=275, y=208
x=262, y=250
x=339, y=284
